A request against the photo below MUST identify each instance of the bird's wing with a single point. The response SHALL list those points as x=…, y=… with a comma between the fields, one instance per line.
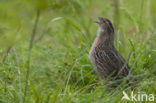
x=110, y=61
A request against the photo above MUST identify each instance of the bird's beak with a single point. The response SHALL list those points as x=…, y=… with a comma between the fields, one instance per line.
x=97, y=22
x=100, y=20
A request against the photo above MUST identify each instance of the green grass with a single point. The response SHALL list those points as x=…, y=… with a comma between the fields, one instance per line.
x=59, y=67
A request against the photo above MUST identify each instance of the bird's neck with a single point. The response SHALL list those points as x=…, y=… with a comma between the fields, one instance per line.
x=105, y=37
x=108, y=41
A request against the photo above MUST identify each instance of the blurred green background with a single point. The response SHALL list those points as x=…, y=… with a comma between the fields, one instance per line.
x=44, y=48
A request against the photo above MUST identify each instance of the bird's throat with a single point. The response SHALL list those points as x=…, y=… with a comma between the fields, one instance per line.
x=100, y=31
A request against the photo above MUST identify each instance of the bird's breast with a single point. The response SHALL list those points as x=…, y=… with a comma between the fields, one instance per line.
x=95, y=44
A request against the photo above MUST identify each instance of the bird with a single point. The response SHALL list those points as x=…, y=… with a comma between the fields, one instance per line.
x=106, y=60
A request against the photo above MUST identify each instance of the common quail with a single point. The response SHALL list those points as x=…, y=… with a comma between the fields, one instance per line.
x=106, y=60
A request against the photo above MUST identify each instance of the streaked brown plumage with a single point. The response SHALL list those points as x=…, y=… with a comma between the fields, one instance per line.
x=105, y=58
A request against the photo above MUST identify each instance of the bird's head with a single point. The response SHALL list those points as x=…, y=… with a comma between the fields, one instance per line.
x=105, y=26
